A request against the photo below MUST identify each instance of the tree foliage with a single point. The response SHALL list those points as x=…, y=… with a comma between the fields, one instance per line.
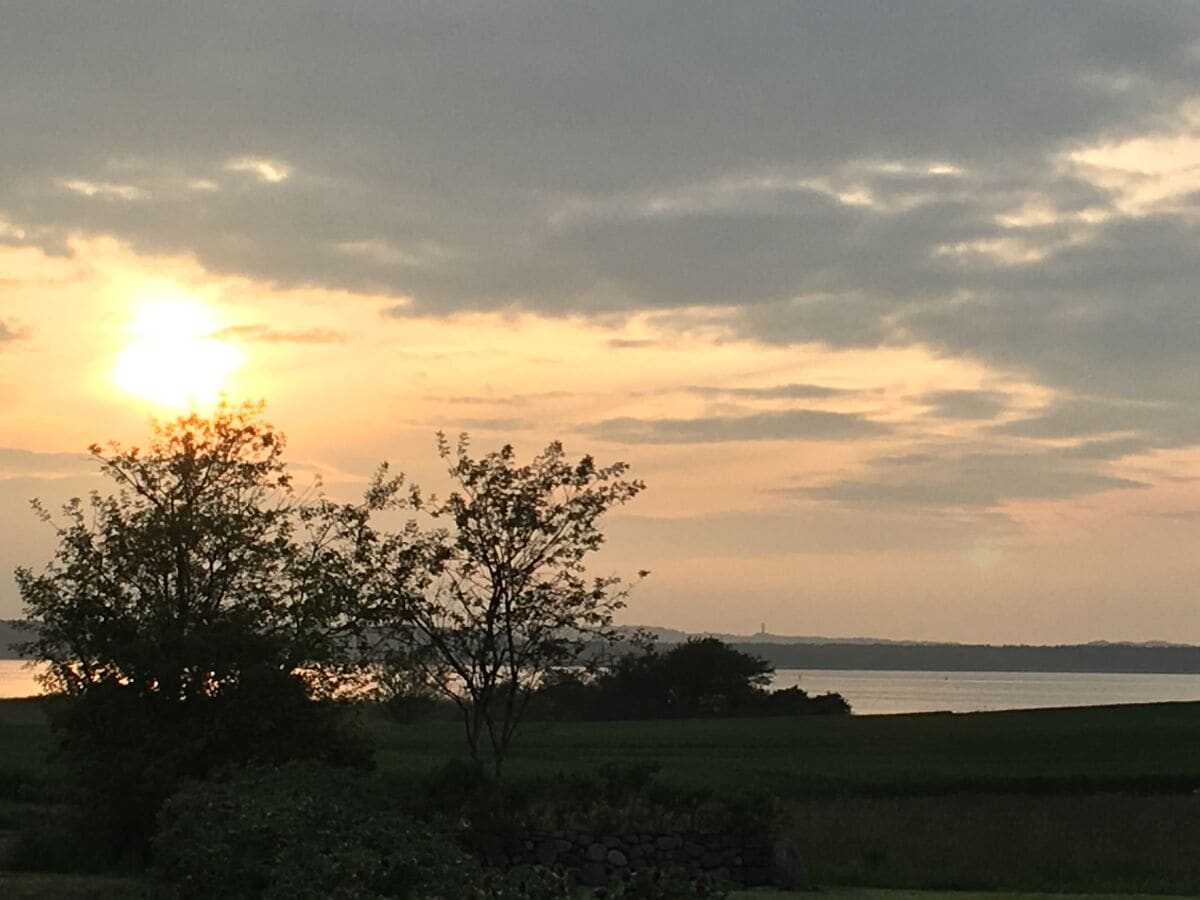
x=509, y=602
x=698, y=678
x=186, y=614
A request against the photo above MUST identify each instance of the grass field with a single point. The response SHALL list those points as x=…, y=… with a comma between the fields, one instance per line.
x=1100, y=799
x=1149, y=747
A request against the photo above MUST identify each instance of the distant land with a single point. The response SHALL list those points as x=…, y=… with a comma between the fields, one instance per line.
x=879, y=654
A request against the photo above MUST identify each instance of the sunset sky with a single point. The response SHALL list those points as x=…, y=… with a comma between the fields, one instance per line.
x=894, y=306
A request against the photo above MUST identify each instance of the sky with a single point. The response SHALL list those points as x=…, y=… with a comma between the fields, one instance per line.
x=895, y=306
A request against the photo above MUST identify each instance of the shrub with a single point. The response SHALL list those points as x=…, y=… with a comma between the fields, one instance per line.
x=301, y=831
x=527, y=883
x=671, y=883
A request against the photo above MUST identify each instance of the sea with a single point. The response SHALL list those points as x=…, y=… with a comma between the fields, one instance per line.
x=889, y=693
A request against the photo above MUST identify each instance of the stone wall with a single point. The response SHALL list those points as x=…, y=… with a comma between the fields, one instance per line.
x=598, y=859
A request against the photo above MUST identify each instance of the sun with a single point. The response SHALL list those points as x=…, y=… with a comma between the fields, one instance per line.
x=174, y=358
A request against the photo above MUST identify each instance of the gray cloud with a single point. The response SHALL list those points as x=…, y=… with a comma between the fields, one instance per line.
x=631, y=343
x=965, y=404
x=830, y=171
x=817, y=529
x=968, y=480
x=10, y=333
x=1148, y=424
x=783, y=425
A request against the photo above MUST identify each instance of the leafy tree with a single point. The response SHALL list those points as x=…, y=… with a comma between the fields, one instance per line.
x=186, y=615
x=508, y=604
x=701, y=677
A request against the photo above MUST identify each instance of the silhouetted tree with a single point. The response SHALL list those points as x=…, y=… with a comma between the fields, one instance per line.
x=187, y=615
x=701, y=677
x=509, y=603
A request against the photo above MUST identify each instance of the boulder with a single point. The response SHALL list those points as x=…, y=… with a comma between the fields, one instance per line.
x=787, y=869
x=593, y=874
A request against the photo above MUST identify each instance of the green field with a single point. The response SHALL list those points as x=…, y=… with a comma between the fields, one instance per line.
x=1149, y=747
x=1099, y=800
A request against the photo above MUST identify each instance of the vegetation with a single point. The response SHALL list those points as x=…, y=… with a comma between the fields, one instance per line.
x=701, y=677
x=508, y=605
x=1138, y=748
x=208, y=628
x=1084, y=800
x=178, y=616
x=298, y=832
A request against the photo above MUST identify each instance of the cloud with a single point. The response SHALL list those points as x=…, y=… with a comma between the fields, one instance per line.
x=811, y=529
x=1161, y=424
x=499, y=423
x=939, y=174
x=632, y=343
x=785, y=425
x=11, y=333
x=771, y=392
x=266, y=334
x=965, y=404
x=967, y=480
x=18, y=463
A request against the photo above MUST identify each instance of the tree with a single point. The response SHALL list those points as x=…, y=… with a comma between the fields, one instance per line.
x=700, y=677
x=185, y=616
x=508, y=603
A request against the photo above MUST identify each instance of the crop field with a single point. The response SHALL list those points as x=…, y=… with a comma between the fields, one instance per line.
x=1100, y=800
x=1145, y=748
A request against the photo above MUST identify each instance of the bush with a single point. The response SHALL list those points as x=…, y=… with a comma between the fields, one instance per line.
x=125, y=753
x=670, y=883
x=301, y=831
x=59, y=839
x=527, y=883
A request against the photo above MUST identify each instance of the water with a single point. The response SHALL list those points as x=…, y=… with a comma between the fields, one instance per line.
x=873, y=693
x=17, y=680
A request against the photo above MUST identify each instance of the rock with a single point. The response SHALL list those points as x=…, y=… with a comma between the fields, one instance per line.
x=787, y=869
x=562, y=846
x=668, y=842
x=617, y=858
x=597, y=852
x=593, y=874
x=547, y=853
x=758, y=876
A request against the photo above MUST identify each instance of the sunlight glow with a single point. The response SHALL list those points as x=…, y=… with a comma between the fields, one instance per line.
x=174, y=358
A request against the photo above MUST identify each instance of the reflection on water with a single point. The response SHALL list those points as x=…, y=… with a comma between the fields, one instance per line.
x=17, y=679
x=872, y=693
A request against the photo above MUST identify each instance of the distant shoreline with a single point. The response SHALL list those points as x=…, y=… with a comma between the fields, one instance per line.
x=1128, y=659
x=876, y=655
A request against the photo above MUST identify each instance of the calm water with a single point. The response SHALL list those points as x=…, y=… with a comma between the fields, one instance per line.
x=872, y=693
